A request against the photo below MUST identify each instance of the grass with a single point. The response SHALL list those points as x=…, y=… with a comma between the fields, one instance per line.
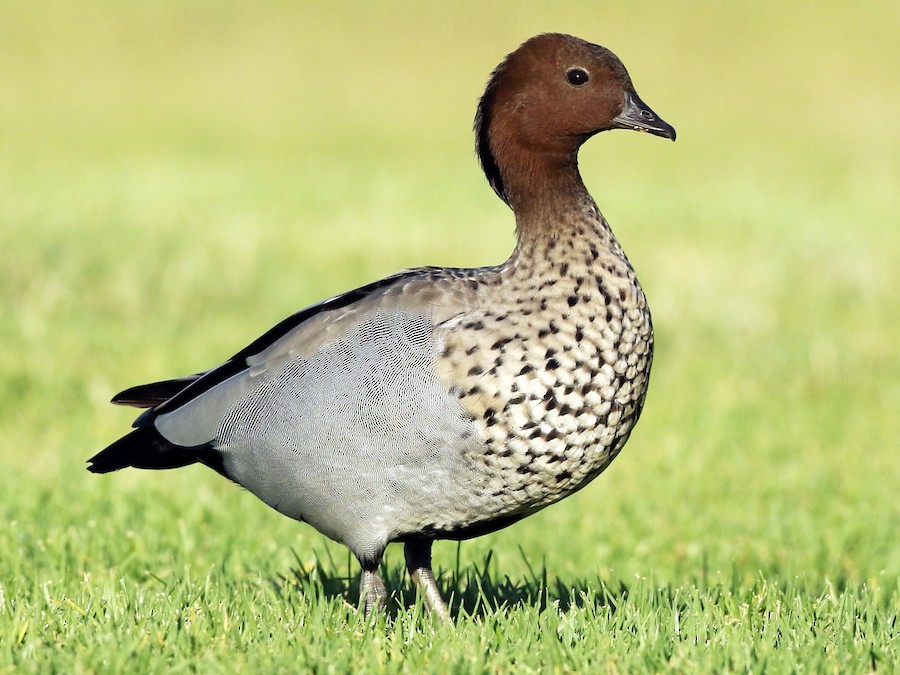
x=175, y=178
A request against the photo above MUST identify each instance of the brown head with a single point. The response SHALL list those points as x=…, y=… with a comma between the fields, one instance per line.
x=545, y=100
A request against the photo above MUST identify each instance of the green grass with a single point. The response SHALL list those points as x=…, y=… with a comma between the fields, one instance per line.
x=177, y=177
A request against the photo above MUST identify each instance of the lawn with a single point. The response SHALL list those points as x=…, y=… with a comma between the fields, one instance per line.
x=177, y=177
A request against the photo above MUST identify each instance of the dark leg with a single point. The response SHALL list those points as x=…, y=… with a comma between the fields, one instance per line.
x=418, y=562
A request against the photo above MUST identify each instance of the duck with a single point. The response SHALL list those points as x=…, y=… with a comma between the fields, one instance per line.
x=443, y=403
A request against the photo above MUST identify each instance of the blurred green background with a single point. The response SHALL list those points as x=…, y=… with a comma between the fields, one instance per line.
x=176, y=177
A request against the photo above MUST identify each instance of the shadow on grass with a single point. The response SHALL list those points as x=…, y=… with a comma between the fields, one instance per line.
x=475, y=590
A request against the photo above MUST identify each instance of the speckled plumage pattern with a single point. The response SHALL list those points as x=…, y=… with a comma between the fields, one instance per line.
x=443, y=403
x=553, y=364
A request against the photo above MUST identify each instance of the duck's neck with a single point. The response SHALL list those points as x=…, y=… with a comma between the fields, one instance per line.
x=558, y=223
x=545, y=191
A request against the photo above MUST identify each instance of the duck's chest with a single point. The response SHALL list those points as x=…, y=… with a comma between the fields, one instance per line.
x=553, y=367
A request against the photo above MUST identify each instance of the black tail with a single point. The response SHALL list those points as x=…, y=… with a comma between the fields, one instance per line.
x=153, y=394
x=145, y=448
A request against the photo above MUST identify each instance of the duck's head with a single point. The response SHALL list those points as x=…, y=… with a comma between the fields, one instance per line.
x=546, y=99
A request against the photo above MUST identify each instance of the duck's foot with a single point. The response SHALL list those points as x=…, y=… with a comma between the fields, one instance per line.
x=372, y=592
x=418, y=562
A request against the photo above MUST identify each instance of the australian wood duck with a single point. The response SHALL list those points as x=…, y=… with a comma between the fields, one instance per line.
x=443, y=403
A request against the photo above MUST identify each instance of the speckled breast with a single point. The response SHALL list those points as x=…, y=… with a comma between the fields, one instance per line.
x=554, y=369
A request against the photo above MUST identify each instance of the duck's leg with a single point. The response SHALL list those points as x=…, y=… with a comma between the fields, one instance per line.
x=418, y=562
x=372, y=592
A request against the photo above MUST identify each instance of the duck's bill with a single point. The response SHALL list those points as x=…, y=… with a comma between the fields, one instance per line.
x=638, y=116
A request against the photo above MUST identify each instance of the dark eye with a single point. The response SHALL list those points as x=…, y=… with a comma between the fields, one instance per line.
x=577, y=77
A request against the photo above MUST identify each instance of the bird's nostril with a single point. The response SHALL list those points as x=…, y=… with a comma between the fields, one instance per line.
x=646, y=114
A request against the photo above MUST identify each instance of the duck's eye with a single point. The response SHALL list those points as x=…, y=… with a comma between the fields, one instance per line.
x=577, y=77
